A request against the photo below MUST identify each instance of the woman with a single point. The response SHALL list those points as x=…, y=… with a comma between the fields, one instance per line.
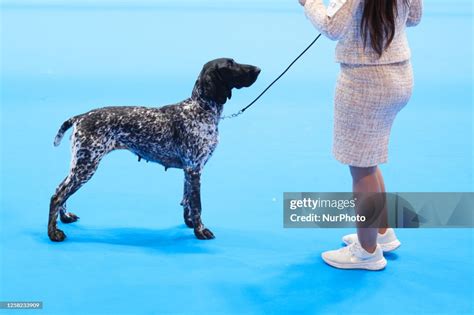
x=375, y=83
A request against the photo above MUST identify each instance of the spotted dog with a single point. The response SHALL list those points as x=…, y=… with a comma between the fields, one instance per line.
x=183, y=135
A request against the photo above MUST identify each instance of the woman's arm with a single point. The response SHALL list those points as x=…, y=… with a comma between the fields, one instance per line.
x=415, y=13
x=333, y=21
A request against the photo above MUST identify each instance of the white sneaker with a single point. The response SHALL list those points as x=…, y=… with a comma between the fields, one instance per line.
x=355, y=257
x=387, y=241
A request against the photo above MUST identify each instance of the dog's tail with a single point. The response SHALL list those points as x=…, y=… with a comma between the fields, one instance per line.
x=64, y=127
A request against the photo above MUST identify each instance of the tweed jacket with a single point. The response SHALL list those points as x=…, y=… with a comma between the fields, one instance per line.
x=341, y=21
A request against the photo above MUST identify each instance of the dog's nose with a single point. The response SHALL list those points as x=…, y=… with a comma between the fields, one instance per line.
x=257, y=70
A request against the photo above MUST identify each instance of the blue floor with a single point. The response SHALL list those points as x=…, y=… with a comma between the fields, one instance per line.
x=130, y=252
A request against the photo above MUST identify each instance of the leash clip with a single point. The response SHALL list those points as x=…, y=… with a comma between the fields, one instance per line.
x=240, y=112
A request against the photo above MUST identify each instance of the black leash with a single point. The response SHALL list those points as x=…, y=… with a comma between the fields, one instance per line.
x=240, y=112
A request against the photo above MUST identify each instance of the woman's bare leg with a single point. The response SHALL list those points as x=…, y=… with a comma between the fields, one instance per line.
x=366, y=188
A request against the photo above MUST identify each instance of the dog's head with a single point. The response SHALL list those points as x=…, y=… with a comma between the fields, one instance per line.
x=218, y=77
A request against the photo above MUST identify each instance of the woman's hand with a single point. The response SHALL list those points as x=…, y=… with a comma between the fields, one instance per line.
x=302, y=2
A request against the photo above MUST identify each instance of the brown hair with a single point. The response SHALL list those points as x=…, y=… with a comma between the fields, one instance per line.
x=378, y=23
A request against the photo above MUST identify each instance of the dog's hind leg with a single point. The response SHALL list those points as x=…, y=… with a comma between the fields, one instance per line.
x=67, y=217
x=83, y=167
x=193, y=178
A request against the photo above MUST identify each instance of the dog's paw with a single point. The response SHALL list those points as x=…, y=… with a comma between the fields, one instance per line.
x=57, y=235
x=68, y=217
x=203, y=234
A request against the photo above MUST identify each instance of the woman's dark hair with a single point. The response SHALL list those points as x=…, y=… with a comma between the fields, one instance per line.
x=378, y=23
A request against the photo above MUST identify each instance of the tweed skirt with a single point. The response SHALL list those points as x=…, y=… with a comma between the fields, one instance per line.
x=368, y=98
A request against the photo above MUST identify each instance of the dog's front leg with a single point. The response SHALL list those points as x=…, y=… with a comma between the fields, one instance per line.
x=185, y=203
x=193, y=178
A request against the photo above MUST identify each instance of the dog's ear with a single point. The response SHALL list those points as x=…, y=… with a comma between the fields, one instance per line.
x=214, y=87
x=223, y=90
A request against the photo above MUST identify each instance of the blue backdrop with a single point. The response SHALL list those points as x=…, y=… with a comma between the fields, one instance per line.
x=130, y=252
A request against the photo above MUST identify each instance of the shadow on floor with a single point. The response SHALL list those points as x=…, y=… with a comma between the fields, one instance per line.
x=178, y=239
